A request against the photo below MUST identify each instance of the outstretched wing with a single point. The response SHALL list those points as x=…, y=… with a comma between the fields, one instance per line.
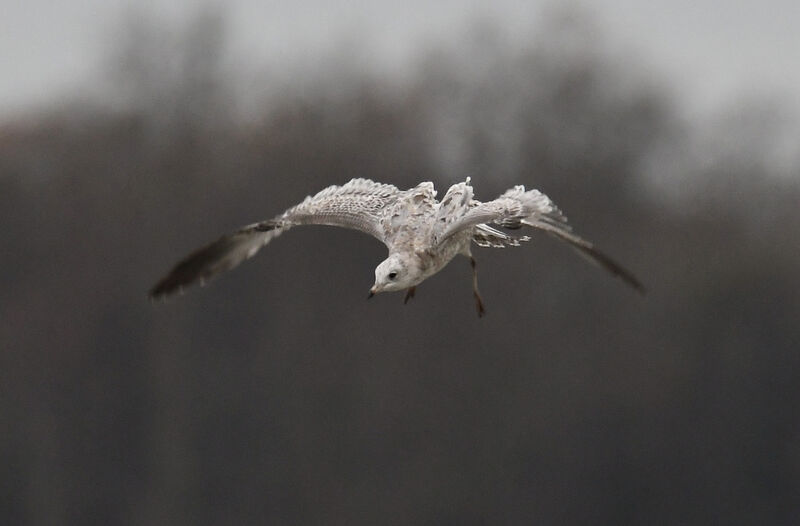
x=359, y=205
x=517, y=207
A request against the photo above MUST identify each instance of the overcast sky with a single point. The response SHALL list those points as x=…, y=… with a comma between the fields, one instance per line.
x=713, y=51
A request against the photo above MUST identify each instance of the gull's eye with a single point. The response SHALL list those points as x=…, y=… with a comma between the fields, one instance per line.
x=392, y=275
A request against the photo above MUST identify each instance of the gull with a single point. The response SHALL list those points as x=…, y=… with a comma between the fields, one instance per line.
x=421, y=233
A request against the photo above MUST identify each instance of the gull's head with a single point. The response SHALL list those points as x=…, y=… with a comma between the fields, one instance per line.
x=393, y=274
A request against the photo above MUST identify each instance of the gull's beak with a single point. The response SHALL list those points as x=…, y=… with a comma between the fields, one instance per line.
x=371, y=292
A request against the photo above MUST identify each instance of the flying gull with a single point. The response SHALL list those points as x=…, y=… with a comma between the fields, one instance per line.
x=421, y=233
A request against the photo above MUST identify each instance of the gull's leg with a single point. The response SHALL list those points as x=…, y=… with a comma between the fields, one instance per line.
x=478, y=301
x=409, y=294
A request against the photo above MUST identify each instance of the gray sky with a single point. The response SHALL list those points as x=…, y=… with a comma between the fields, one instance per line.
x=714, y=52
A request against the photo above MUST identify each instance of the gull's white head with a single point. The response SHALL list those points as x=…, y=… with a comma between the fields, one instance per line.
x=395, y=273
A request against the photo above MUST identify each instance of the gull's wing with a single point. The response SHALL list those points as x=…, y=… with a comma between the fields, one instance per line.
x=359, y=205
x=457, y=203
x=517, y=207
x=507, y=211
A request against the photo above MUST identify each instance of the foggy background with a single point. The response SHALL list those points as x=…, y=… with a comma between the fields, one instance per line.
x=278, y=395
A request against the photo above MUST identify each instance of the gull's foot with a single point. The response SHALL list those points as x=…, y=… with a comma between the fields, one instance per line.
x=409, y=294
x=479, y=305
x=478, y=301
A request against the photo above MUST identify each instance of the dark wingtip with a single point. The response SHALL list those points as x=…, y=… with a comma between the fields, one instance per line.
x=164, y=288
x=589, y=251
x=617, y=270
x=203, y=264
x=634, y=283
x=198, y=266
x=171, y=284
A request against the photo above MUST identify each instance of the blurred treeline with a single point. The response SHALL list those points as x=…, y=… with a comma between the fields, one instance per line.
x=277, y=395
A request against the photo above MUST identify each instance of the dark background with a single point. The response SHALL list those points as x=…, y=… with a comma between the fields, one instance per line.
x=278, y=395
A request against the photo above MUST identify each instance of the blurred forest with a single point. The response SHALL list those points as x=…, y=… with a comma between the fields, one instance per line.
x=278, y=395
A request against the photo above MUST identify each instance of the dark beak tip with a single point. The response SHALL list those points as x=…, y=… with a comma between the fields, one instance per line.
x=370, y=294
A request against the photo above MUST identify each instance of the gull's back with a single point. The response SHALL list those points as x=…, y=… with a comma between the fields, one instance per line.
x=408, y=220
